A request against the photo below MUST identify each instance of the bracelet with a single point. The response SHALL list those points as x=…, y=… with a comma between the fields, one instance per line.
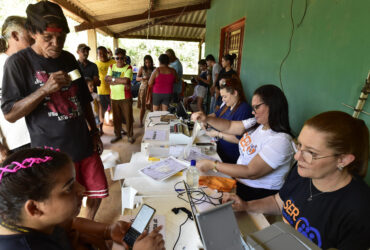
x=218, y=135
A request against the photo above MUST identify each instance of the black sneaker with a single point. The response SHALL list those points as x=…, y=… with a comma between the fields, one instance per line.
x=116, y=139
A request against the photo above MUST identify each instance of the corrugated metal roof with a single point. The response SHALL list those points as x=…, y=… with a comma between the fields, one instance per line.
x=169, y=19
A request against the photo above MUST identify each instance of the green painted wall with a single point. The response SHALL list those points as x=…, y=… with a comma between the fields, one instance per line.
x=330, y=53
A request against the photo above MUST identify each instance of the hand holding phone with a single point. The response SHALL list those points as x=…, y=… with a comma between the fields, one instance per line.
x=141, y=221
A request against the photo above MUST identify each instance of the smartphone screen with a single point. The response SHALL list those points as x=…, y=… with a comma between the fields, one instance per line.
x=143, y=218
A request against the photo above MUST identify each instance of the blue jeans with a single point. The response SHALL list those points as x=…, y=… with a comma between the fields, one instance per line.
x=213, y=104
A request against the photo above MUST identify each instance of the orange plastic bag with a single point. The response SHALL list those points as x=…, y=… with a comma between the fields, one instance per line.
x=222, y=184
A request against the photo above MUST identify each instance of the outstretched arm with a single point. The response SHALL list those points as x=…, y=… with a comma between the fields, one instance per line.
x=226, y=126
x=269, y=205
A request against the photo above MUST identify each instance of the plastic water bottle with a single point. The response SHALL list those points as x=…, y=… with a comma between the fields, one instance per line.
x=192, y=175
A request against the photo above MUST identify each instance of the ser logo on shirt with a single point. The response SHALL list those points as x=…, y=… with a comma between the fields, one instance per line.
x=301, y=224
x=246, y=144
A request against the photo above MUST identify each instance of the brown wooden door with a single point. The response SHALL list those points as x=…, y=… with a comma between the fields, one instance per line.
x=232, y=42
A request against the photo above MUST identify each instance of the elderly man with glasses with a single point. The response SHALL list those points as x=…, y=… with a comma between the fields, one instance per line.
x=43, y=83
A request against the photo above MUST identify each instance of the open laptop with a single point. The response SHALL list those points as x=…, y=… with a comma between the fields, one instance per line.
x=217, y=226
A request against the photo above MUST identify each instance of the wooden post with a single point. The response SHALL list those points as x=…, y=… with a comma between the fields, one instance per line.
x=91, y=41
x=115, y=43
x=200, y=50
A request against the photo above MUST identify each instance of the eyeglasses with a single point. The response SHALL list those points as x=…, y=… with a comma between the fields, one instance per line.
x=255, y=107
x=119, y=58
x=309, y=156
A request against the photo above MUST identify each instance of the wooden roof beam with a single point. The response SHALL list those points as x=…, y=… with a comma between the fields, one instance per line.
x=181, y=39
x=142, y=16
x=190, y=25
x=145, y=25
x=80, y=13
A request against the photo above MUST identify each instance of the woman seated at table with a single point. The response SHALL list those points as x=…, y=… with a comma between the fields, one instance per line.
x=161, y=81
x=39, y=202
x=266, y=150
x=324, y=196
x=235, y=108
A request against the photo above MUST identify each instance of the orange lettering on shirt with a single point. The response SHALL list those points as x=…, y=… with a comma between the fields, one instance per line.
x=245, y=142
x=291, y=209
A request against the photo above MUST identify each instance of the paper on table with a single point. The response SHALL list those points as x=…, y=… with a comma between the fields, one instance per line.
x=196, y=155
x=178, y=150
x=161, y=170
x=126, y=170
x=155, y=135
x=128, y=196
x=196, y=130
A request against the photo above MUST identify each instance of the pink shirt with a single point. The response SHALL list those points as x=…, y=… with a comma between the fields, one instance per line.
x=163, y=83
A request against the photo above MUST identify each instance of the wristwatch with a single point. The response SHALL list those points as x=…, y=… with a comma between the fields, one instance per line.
x=214, y=169
x=113, y=79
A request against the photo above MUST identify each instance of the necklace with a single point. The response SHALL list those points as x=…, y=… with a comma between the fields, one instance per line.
x=313, y=195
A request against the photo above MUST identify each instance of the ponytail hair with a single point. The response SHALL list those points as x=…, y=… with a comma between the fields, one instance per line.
x=230, y=58
x=345, y=135
x=12, y=23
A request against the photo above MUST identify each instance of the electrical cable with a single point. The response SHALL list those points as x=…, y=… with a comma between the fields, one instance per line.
x=304, y=14
x=178, y=237
x=290, y=44
x=291, y=38
x=198, y=196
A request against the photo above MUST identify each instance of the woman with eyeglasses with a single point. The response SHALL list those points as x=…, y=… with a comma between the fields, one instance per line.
x=161, y=82
x=143, y=76
x=266, y=150
x=324, y=196
x=235, y=108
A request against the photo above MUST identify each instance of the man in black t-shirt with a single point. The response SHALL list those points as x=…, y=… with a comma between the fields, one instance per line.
x=88, y=68
x=43, y=83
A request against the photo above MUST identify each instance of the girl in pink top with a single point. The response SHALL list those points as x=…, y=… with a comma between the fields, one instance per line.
x=161, y=82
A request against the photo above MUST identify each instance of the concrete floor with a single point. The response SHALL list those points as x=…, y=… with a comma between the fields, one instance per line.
x=110, y=208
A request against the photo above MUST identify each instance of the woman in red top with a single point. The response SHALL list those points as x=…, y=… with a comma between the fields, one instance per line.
x=161, y=82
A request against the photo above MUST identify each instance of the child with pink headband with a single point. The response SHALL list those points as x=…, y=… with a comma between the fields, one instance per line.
x=39, y=201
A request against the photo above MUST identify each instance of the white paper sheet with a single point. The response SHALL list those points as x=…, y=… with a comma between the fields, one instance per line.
x=155, y=135
x=161, y=170
x=196, y=155
x=196, y=129
x=126, y=170
x=128, y=196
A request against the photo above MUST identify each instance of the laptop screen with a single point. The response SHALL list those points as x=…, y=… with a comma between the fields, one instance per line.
x=217, y=226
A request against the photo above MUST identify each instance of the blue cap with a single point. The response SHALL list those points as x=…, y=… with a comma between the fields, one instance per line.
x=193, y=163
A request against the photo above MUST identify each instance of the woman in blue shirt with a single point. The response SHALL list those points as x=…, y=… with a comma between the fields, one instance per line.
x=234, y=108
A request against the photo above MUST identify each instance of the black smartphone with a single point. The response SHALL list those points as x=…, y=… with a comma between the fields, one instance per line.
x=141, y=221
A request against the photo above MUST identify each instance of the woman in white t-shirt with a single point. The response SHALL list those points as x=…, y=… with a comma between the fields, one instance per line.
x=266, y=150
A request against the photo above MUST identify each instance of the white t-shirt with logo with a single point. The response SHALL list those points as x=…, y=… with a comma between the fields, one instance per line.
x=274, y=148
x=15, y=134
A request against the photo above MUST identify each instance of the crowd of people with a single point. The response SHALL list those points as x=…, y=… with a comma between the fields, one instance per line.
x=53, y=109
